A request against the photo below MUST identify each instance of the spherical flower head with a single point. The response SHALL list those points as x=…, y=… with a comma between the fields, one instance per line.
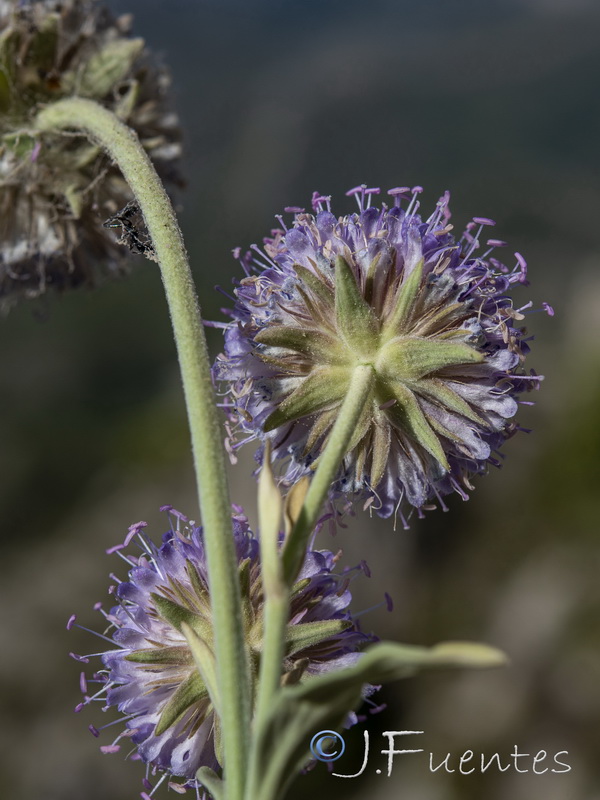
x=56, y=190
x=383, y=287
x=150, y=675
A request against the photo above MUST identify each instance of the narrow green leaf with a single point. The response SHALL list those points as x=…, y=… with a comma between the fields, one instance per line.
x=323, y=387
x=411, y=359
x=281, y=746
x=307, y=634
x=407, y=414
x=405, y=299
x=354, y=316
x=187, y=693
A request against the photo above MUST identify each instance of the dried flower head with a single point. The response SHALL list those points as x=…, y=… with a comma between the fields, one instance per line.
x=383, y=287
x=56, y=190
x=150, y=674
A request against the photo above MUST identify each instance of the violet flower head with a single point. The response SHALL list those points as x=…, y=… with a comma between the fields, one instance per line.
x=430, y=312
x=149, y=673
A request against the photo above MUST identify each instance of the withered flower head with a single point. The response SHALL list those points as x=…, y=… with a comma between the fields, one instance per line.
x=56, y=190
x=386, y=288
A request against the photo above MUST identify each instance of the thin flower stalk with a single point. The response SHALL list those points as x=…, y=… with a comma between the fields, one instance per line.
x=125, y=149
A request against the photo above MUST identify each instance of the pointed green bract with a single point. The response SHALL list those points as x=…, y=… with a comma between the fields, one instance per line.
x=407, y=358
x=187, y=693
x=405, y=299
x=204, y=659
x=440, y=391
x=382, y=437
x=324, y=387
x=177, y=615
x=407, y=413
x=308, y=634
x=317, y=286
x=175, y=656
x=307, y=341
x=354, y=316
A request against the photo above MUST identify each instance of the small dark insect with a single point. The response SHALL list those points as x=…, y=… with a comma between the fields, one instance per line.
x=133, y=229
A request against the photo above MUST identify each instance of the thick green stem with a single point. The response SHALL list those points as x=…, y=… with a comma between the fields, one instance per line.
x=126, y=151
x=359, y=392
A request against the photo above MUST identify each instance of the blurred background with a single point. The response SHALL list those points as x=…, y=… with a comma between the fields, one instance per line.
x=497, y=102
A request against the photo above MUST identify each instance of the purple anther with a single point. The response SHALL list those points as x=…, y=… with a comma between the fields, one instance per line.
x=81, y=659
x=548, y=309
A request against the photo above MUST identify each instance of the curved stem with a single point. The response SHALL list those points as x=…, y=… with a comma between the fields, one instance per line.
x=125, y=149
x=328, y=467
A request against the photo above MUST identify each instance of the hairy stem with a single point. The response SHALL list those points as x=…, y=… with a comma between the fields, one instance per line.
x=328, y=467
x=125, y=149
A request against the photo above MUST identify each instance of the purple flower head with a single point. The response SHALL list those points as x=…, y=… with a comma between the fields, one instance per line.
x=149, y=673
x=430, y=312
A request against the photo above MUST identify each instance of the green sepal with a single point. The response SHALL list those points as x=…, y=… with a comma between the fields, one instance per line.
x=105, y=69
x=405, y=299
x=165, y=656
x=281, y=745
x=177, y=615
x=307, y=341
x=407, y=413
x=323, y=387
x=187, y=693
x=355, y=318
x=308, y=634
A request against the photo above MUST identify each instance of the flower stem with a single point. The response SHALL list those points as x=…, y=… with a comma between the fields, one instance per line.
x=328, y=467
x=125, y=149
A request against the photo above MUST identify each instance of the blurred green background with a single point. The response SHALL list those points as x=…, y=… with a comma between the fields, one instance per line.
x=496, y=101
